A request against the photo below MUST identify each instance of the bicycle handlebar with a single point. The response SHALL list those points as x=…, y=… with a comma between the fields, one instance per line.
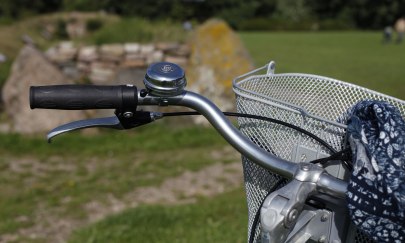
x=325, y=183
x=82, y=97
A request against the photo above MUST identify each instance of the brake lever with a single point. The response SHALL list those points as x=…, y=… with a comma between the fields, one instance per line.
x=121, y=121
x=107, y=122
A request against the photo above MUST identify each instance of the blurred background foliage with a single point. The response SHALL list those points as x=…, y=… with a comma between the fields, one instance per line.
x=240, y=14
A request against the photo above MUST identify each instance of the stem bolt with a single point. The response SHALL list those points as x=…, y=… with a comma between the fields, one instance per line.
x=305, y=167
x=292, y=216
x=322, y=239
x=128, y=114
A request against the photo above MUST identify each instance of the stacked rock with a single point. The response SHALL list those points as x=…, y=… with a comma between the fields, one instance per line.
x=100, y=64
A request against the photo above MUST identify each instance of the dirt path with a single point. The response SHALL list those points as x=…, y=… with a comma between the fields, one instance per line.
x=185, y=188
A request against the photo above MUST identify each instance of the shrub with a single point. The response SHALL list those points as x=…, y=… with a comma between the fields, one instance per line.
x=255, y=24
x=275, y=24
x=138, y=30
x=93, y=24
x=61, y=32
x=5, y=69
x=335, y=24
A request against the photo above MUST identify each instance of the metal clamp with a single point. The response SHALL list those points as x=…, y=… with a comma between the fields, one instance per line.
x=315, y=225
x=281, y=209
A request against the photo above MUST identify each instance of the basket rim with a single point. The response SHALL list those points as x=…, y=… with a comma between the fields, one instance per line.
x=270, y=67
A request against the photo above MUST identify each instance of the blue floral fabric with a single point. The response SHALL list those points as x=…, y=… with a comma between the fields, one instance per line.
x=376, y=191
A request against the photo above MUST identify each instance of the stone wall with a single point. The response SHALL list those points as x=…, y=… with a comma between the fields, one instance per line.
x=100, y=64
x=213, y=58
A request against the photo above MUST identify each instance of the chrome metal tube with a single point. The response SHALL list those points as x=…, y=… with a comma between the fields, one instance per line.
x=326, y=183
x=226, y=129
x=331, y=185
x=235, y=138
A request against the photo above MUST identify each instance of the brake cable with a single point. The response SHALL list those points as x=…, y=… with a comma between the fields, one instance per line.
x=276, y=121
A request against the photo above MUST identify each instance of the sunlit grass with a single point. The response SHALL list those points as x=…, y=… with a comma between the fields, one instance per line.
x=222, y=219
x=82, y=168
x=356, y=57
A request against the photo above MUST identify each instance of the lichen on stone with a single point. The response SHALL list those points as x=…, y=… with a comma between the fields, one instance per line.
x=217, y=57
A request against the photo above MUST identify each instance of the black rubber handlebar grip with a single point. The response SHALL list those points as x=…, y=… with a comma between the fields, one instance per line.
x=83, y=97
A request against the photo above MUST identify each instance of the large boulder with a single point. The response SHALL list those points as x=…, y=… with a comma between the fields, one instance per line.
x=217, y=57
x=32, y=68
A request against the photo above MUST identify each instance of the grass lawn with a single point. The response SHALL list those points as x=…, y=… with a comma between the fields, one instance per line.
x=356, y=57
x=42, y=183
x=222, y=219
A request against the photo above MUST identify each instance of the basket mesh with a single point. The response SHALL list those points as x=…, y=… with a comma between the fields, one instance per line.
x=314, y=103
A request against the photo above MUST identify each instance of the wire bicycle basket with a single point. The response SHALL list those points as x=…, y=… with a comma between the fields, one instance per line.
x=315, y=103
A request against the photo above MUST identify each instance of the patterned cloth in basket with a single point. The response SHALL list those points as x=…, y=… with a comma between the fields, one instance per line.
x=376, y=191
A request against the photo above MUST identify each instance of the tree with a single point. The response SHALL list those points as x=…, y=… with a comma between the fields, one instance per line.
x=292, y=10
x=16, y=8
x=369, y=14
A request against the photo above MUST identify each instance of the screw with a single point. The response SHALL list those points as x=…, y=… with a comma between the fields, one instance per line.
x=324, y=217
x=292, y=215
x=143, y=92
x=128, y=114
x=291, y=218
x=322, y=239
x=164, y=102
x=305, y=167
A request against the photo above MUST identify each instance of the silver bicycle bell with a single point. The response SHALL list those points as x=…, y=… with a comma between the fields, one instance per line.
x=165, y=79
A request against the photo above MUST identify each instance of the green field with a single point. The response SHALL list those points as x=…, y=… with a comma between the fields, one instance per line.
x=222, y=219
x=53, y=184
x=355, y=57
x=45, y=185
